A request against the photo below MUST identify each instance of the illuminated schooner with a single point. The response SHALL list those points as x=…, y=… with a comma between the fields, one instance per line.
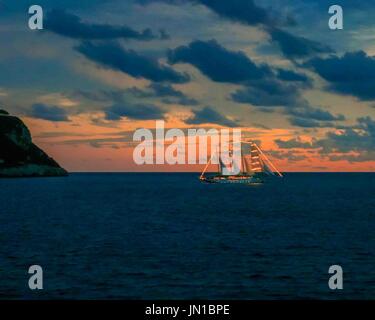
x=254, y=168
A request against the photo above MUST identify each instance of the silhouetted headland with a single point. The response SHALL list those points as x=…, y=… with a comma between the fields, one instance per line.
x=19, y=156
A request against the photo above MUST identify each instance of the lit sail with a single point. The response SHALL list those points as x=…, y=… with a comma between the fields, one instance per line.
x=256, y=163
x=251, y=159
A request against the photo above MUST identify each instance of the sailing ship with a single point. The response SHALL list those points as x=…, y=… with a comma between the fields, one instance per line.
x=255, y=167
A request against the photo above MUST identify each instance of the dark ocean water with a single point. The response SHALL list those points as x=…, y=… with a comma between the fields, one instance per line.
x=167, y=236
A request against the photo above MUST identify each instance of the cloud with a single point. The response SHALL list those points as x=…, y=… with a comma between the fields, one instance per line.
x=268, y=93
x=309, y=123
x=165, y=91
x=113, y=56
x=50, y=113
x=287, y=155
x=295, y=143
x=17, y=6
x=351, y=74
x=218, y=63
x=310, y=117
x=97, y=96
x=108, y=142
x=209, y=115
x=70, y=25
x=242, y=11
x=294, y=47
x=262, y=87
x=359, y=138
x=353, y=144
x=361, y=157
x=164, y=35
x=135, y=112
x=246, y=12
x=289, y=75
x=59, y=134
x=183, y=101
x=315, y=113
x=356, y=144
x=271, y=93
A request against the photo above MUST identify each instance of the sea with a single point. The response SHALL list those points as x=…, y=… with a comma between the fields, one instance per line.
x=169, y=236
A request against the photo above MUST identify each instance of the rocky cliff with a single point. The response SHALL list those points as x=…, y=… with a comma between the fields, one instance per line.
x=19, y=156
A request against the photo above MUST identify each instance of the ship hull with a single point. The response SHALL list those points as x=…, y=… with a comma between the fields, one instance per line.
x=249, y=180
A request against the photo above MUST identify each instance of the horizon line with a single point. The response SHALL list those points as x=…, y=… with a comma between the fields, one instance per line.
x=198, y=172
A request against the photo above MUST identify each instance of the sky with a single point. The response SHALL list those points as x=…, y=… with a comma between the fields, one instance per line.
x=101, y=69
